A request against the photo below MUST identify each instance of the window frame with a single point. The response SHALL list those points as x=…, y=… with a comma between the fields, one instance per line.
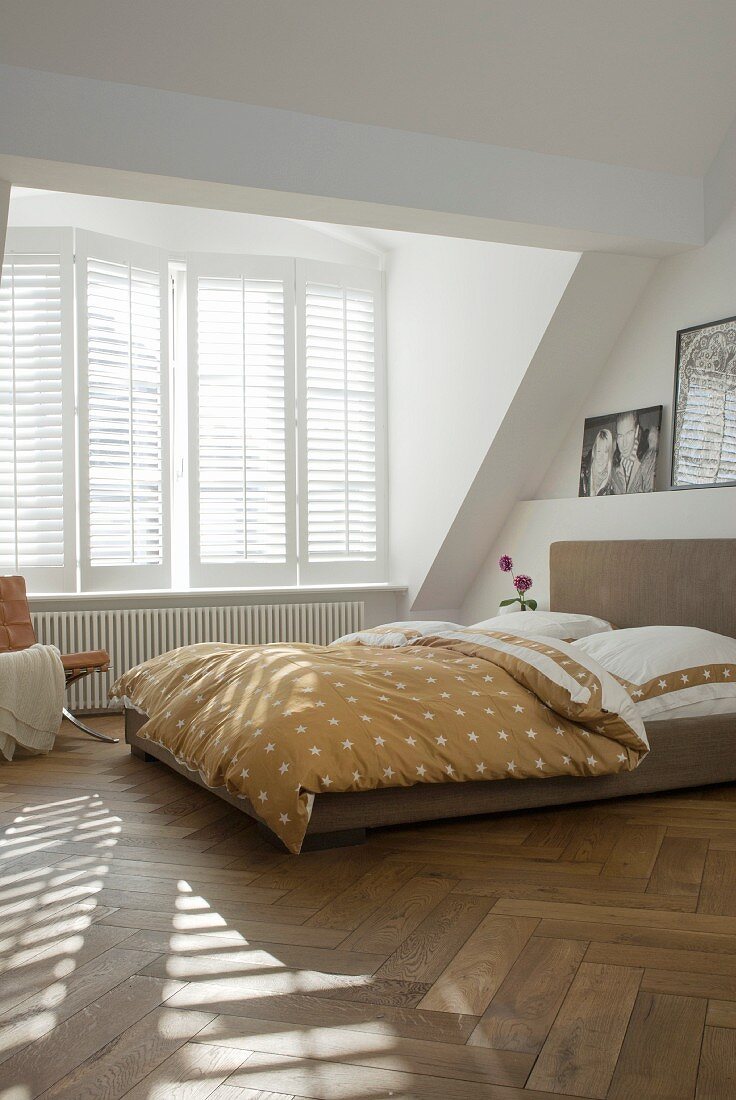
x=37, y=241
x=242, y=574
x=140, y=577
x=342, y=570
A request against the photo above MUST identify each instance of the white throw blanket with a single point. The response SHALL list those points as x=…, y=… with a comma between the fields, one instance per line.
x=31, y=699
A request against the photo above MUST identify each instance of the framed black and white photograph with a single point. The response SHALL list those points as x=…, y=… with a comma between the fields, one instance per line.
x=704, y=428
x=620, y=453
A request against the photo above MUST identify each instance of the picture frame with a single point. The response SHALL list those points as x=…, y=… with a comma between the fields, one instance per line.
x=704, y=406
x=620, y=452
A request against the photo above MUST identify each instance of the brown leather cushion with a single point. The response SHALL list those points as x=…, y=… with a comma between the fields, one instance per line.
x=94, y=659
x=16, y=629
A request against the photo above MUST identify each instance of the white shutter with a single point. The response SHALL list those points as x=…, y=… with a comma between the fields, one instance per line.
x=341, y=398
x=37, y=529
x=241, y=356
x=123, y=392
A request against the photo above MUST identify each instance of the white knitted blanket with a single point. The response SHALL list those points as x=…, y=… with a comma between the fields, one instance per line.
x=31, y=699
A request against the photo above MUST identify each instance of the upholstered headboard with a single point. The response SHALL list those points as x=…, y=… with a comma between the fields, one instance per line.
x=646, y=582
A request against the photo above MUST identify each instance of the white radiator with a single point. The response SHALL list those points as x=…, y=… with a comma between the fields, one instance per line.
x=133, y=636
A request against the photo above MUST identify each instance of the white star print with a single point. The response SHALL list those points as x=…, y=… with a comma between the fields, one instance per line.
x=449, y=769
x=565, y=759
x=662, y=684
x=431, y=680
x=347, y=744
x=180, y=724
x=622, y=757
x=199, y=699
x=397, y=718
x=706, y=674
x=388, y=772
x=421, y=770
x=365, y=718
x=334, y=721
x=429, y=716
x=518, y=709
x=383, y=698
x=168, y=714
x=726, y=673
x=460, y=712
x=351, y=699
x=245, y=774
x=356, y=776
x=400, y=686
x=487, y=679
x=531, y=734
x=263, y=796
x=301, y=729
x=315, y=751
x=379, y=741
x=441, y=740
x=445, y=695
x=284, y=768
x=511, y=766
x=269, y=747
x=559, y=731
x=480, y=768
x=592, y=761
x=284, y=819
x=472, y=737
x=539, y=763
x=411, y=741
x=326, y=781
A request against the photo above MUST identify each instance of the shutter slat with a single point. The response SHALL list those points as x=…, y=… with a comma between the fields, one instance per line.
x=125, y=414
x=340, y=396
x=241, y=420
x=31, y=414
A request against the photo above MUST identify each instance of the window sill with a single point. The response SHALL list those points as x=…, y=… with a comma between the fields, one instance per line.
x=167, y=597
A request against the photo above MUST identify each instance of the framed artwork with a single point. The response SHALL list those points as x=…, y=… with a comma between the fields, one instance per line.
x=704, y=404
x=620, y=453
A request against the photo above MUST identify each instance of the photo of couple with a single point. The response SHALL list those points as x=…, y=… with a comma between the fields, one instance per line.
x=620, y=453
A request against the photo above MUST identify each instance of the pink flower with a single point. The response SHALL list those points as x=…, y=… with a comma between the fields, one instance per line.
x=522, y=583
x=505, y=563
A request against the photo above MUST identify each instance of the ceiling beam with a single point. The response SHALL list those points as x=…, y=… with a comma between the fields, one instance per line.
x=75, y=133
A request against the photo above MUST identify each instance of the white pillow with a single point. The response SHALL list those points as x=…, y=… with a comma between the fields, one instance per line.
x=565, y=626
x=670, y=668
x=390, y=635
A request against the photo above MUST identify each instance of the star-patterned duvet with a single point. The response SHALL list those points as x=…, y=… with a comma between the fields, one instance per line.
x=277, y=724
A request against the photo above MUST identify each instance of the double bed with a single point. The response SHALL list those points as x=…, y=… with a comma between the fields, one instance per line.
x=688, y=582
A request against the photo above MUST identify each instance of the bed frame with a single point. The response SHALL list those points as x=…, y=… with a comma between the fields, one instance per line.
x=683, y=582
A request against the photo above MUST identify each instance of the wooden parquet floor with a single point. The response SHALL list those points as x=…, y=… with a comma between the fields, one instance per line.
x=154, y=947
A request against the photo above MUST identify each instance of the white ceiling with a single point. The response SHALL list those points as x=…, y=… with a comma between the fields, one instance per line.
x=641, y=83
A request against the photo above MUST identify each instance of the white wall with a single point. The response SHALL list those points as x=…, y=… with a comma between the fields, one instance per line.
x=464, y=319
x=180, y=229
x=688, y=289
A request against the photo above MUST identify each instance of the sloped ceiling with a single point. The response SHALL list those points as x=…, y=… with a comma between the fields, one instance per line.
x=646, y=85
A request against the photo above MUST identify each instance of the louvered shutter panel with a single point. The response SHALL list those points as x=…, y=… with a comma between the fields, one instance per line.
x=341, y=424
x=123, y=382
x=241, y=353
x=37, y=527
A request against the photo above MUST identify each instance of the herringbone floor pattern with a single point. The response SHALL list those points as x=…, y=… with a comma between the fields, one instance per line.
x=154, y=946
